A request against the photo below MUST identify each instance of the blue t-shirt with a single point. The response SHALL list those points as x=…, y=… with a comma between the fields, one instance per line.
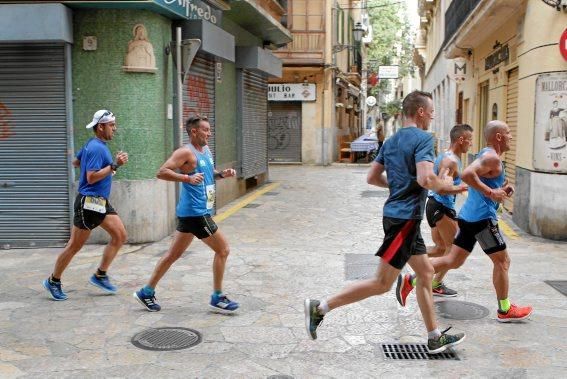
x=94, y=156
x=478, y=207
x=446, y=200
x=399, y=155
x=198, y=199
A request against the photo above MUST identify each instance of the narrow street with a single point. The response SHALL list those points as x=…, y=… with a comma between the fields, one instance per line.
x=315, y=228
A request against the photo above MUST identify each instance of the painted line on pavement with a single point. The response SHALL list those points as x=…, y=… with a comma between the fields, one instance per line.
x=247, y=200
x=510, y=233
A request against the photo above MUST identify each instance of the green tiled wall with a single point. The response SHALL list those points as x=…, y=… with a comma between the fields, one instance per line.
x=139, y=100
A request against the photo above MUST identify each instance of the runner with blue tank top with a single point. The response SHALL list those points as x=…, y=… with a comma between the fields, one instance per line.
x=440, y=209
x=92, y=206
x=407, y=160
x=193, y=166
x=478, y=220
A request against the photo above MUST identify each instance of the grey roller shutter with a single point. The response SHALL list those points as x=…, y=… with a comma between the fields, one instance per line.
x=284, y=132
x=254, y=124
x=199, y=94
x=34, y=172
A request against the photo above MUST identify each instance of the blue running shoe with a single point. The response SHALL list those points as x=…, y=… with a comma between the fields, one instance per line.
x=222, y=304
x=103, y=282
x=148, y=301
x=55, y=290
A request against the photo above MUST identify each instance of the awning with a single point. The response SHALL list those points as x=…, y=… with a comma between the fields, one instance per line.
x=36, y=22
x=258, y=59
x=214, y=40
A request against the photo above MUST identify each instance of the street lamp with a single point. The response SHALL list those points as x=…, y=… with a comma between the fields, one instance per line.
x=357, y=33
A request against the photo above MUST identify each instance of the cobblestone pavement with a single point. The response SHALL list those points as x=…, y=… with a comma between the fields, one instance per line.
x=293, y=245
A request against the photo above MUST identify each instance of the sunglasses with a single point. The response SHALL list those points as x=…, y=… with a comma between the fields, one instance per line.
x=107, y=113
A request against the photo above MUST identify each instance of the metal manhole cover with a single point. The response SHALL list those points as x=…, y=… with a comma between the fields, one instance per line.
x=252, y=205
x=271, y=193
x=382, y=194
x=166, y=339
x=414, y=351
x=559, y=285
x=460, y=310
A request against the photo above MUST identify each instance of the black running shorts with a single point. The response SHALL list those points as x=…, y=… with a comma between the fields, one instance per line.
x=402, y=239
x=200, y=226
x=89, y=219
x=434, y=211
x=486, y=232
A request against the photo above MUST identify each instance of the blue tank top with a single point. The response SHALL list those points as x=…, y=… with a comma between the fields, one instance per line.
x=198, y=200
x=478, y=207
x=446, y=200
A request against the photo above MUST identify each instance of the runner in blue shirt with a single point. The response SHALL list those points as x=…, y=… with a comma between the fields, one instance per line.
x=407, y=159
x=192, y=165
x=440, y=209
x=478, y=222
x=92, y=206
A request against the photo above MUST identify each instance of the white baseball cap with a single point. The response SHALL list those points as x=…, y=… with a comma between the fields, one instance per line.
x=100, y=117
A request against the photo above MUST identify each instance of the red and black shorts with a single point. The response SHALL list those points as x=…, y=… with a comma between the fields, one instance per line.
x=402, y=239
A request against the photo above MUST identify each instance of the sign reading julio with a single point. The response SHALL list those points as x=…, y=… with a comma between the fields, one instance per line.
x=292, y=92
x=550, y=139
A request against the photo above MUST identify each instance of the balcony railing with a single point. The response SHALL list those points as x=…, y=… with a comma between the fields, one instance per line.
x=306, y=46
x=456, y=14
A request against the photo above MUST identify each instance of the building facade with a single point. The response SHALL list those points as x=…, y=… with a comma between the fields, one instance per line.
x=62, y=61
x=506, y=57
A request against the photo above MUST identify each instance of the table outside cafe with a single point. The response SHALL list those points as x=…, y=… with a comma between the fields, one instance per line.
x=364, y=145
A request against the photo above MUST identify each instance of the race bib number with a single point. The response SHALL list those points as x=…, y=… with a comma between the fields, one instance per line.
x=95, y=204
x=210, y=196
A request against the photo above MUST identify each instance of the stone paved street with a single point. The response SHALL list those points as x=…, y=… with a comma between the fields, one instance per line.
x=292, y=246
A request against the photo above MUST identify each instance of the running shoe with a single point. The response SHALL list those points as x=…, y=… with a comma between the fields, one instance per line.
x=55, y=290
x=148, y=301
x=443, y=291
x=222, y=304
x=403, y=288
x=515, y=313
x=445, y=341
x=312, y=317
x=103, y=282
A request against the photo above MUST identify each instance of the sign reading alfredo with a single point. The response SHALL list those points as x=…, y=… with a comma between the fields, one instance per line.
x=550, y=139
x=193, y=9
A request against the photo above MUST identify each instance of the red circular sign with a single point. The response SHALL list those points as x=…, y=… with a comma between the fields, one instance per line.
x=563, y=44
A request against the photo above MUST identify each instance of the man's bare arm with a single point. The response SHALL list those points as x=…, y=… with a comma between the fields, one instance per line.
x=179, y=158
x=376, y=175
x=480, y=167
x=427, y=179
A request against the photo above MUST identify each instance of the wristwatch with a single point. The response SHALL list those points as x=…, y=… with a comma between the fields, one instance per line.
x=114, y=166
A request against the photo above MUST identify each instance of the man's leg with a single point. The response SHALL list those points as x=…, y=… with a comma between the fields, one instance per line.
x=78, y=239
x=424, y=274
x=146, y=294
x=440, y=247
x=219, y=302
x=447, y=231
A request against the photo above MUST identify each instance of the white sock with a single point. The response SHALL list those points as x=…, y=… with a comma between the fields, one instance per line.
x=434, y=334
x=323, y=307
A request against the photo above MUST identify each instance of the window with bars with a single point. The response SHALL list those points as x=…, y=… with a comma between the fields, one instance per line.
x=307, y=15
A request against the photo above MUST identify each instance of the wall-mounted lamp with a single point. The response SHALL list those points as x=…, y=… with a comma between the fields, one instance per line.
x=357, y=33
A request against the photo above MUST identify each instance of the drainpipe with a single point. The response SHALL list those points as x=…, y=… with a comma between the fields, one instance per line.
x=177, y=131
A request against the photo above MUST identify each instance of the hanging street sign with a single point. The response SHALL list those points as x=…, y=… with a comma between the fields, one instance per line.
x=292, y=92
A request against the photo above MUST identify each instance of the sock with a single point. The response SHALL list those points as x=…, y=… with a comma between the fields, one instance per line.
x=413, y=280
x=323, y=307
x=149, y=291
x=217, y=293
x=54, y=279
x=100, y=273
x=435, y=283
x=434, y=334
x=504, y=305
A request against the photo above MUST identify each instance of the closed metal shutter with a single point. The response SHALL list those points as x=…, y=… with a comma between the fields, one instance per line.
x=34, y=172
x=199, y=94
x=284, y=132
x=254, y=124
x=512, y=121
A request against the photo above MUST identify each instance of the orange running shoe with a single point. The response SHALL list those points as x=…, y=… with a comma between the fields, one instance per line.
x=403, y=288
x=515, y=313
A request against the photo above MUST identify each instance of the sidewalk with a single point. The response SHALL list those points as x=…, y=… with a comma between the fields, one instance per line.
x=295, y=244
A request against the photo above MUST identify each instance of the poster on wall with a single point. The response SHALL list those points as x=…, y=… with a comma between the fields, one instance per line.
x=550, y=139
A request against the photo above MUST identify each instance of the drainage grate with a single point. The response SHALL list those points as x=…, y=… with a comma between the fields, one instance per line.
x=166, y=339
x=271, y=193
x=252, y=205
x=559, y=285
x=414, y=351
x=360, y=266
x=460, y=310
x=382, y=194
